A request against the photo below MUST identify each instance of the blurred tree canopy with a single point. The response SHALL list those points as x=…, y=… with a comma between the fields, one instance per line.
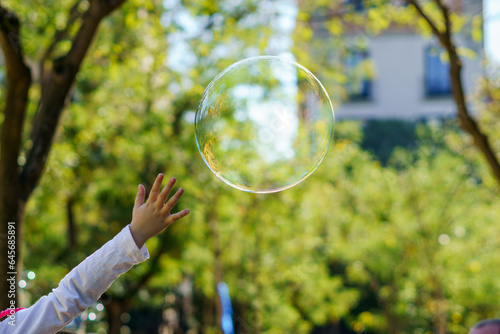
x=407, y=246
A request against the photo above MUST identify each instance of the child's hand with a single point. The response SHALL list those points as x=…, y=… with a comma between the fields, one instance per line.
x=152, y=217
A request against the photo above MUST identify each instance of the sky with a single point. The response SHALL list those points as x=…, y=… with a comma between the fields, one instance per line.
x=492, y=29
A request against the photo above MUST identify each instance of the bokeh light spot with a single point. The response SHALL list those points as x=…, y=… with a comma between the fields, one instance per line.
x=31, y=275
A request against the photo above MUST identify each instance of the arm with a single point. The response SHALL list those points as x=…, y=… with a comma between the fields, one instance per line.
x=80, y=288
x=91, y=278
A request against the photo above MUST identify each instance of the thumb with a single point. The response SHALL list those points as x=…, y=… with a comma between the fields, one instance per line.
x=139, y=199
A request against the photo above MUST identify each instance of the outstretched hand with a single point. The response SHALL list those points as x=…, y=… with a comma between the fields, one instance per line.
x=152, y=217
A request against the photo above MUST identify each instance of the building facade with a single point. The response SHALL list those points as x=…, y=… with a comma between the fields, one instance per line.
x=409, y=77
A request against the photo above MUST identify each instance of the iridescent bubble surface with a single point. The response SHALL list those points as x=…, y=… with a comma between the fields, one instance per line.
x=264, y=124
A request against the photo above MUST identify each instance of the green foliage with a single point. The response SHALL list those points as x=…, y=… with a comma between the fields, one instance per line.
x=392, y=246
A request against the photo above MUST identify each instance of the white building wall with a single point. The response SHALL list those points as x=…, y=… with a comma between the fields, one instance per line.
x=398, y=89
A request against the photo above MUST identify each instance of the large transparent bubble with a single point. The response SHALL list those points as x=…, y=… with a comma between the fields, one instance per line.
x=264, y=124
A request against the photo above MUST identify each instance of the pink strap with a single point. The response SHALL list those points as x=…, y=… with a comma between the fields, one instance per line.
x=10, y=311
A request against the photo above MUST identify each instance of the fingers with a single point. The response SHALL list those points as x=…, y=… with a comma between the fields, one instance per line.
x=166, y=191
x=176, y=216
x=153, y=195
x=139, y=198
x=173, y=200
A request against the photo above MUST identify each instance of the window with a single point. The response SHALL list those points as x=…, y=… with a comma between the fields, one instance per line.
x=358, y=68
x=356, y=5
x=437, y=73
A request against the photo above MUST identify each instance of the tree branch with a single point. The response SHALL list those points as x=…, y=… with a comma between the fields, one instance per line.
x=11, y=43
x=59, y=35
x=18, y=84
x=481, y=141
x=429, y=21
x=62, y=77
x=446, y=15
x=97, y=11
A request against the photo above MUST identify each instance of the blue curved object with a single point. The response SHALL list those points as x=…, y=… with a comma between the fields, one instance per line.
x=227, y=309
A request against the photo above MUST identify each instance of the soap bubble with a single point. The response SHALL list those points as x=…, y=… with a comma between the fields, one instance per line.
x=264, y=124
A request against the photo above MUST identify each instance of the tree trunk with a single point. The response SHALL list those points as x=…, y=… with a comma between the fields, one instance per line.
x=441, y=317
x=11, y=262
x=257, y=257
x=213, y=218
x=467, y=122
x=115, y=309
x=11, y=205
x=217, y=269
x=72, y=244
x=17, y=185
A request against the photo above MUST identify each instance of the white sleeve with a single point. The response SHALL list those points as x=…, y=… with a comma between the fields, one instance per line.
x=79, y=289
